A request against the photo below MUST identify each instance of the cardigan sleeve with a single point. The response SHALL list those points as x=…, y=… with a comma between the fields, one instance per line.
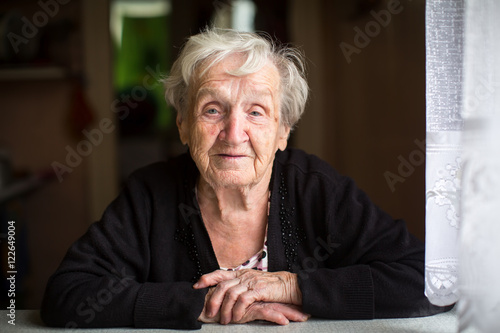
x=103, y=279
x=368, y=264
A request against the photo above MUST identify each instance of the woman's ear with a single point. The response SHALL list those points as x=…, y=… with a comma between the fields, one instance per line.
x=182, y=126
x=283, y=137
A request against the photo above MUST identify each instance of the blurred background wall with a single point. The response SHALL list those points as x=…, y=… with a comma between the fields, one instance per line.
x=81, y=106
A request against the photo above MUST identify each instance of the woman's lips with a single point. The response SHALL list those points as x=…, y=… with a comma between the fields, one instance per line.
x=231, y=155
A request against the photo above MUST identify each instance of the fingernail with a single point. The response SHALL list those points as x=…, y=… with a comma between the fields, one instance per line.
x=196, y=285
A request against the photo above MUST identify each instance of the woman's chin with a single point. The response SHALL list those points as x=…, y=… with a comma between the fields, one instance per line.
x=230, y=179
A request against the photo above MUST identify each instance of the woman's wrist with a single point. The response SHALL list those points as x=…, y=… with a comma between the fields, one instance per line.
x=294, y=289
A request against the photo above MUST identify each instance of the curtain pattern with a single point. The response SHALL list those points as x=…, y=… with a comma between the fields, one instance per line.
x=479, y=269
x=444, y=55
x=463, y=159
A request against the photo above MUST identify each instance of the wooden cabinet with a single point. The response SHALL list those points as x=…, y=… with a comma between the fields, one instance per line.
x=37, y=127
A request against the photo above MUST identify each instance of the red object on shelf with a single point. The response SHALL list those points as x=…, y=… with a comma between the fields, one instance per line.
x=81, y=112
x=26, y=185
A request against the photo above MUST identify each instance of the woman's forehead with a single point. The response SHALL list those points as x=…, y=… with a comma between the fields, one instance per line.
x=265, y=80
x=236, y=65
x=261, y=92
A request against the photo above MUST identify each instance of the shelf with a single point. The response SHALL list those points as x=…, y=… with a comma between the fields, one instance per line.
x=33, y=73
x=26, y=185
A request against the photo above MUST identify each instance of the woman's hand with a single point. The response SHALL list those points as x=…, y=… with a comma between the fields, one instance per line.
x=239, y=295
x=277, y=313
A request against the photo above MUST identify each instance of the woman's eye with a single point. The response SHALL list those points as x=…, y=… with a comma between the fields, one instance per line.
x=255, y=113
x=212, y=111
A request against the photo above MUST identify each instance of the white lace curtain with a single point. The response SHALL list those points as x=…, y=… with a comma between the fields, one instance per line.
x=463, y=159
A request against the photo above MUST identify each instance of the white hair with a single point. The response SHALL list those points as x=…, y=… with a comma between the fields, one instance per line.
x=213, y=45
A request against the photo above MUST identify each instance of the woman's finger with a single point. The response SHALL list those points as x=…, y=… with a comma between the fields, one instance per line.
x=277, y=313
x=214, y=302
x=244, y=301
x=269, y=314
x=213, y=278
x=263, y=311
x=203, y=316
x=291, y=312
x=232, y=295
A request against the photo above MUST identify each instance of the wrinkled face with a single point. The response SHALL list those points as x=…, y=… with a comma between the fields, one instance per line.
x=233, y=124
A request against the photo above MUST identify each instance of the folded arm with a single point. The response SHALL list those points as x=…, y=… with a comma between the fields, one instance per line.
x=244, y=295
x=104, y=279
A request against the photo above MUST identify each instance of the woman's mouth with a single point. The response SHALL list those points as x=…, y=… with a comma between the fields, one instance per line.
x=231, y=155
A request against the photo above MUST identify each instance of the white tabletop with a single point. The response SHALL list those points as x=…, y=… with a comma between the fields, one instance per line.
x=29, y=321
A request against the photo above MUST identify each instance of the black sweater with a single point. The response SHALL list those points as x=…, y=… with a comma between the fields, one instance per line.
x=137, y=265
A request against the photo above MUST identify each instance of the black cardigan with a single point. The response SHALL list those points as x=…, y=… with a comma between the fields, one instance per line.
x=137, y=265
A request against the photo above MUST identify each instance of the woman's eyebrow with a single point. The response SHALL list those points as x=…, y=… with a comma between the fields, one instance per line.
x=260, y=94
x=252, y=95
x=202, y=92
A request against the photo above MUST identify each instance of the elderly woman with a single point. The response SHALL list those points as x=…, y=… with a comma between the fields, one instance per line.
x=240, y=228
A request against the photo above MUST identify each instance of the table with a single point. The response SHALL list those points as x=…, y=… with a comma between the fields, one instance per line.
x=29, y=321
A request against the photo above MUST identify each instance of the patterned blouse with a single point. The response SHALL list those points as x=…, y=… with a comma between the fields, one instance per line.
x=258, y=260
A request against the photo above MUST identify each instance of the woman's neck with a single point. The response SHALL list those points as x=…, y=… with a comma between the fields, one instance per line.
x=236, y=220
x=234, y=211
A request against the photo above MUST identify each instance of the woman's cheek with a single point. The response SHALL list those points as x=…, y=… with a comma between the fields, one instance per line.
x=208, y=132
x=203, y=138
x=264, y=141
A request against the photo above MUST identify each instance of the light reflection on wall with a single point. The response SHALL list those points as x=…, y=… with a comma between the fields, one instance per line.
x=238, y=14
x=120, y=9
x=243, y=15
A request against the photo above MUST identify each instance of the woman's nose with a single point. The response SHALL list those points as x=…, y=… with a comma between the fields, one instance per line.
x=235, y=129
